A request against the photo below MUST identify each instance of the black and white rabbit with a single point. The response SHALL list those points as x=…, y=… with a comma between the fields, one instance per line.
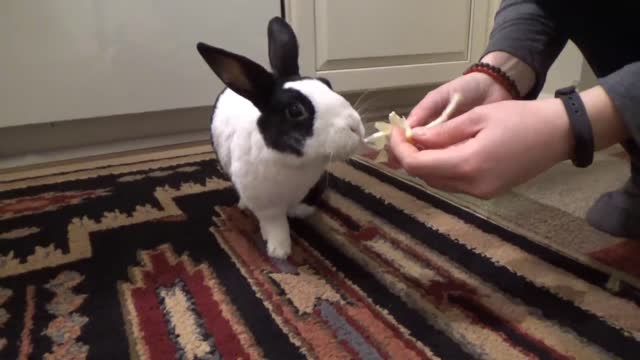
x=275, y=132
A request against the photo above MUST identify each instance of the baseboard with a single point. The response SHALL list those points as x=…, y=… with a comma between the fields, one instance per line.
x=39, y=138
x=54, y=156
x=377, y=105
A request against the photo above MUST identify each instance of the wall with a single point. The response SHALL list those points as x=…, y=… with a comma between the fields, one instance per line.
x=568, y=69
x=76, y=59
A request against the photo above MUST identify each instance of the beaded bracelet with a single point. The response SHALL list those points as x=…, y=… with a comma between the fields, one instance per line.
x=498, y=75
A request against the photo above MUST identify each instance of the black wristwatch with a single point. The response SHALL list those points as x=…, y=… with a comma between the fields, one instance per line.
x=580, y=125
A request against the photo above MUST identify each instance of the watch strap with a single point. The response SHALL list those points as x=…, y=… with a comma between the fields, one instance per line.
x=580, y=126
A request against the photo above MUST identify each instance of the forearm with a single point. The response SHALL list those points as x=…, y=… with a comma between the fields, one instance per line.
x=606, y=121
x=614, y=107
x=624, y=92
x=608, y=127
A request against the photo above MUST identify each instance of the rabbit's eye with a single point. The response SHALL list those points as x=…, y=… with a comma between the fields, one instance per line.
x=296, y=112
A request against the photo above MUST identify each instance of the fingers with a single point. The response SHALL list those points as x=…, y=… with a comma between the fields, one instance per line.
x=429, y=108
x=449, y=162
x=474, y=89
x=400, y=147
x=438, y=163
x=449, y=133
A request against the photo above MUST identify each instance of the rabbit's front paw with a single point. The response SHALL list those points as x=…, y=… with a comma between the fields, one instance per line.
x=275, y=231
x=242, y=205
x=279, y=248
x=301, y=211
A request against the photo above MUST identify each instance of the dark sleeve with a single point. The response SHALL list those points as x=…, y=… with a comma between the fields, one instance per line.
x=623, y=89
x=522, y=29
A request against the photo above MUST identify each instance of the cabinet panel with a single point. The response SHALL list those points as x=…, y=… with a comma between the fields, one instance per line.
x=372, y=44
x=415, y=31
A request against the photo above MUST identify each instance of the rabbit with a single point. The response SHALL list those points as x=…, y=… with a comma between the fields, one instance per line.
x=276, y=132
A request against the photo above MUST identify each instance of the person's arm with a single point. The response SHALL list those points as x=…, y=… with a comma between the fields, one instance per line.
x=623, y=89
x=606, y=121
x=524, y=43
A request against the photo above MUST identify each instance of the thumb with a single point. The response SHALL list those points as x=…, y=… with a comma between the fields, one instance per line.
x=428, y=109
x=449, y=133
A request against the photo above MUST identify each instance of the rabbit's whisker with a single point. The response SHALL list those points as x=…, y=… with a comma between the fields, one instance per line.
x=355, y=106
x=365, y=106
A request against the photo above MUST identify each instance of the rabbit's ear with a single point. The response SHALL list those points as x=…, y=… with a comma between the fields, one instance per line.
x=283, y=48
x=242, y=75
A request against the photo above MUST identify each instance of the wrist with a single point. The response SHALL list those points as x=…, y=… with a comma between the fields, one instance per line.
x=490, y=86
x=594, y=121
x=581, y=126
x=556, y=114
x=521, y=73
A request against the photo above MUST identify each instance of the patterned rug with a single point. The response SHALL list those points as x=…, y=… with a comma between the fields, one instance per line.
x=149, y=258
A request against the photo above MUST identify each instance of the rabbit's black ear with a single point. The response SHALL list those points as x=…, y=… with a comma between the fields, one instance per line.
x=283, y=48
x=242, y=75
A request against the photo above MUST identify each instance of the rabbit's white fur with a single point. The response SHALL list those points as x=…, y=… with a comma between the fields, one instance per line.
x=270, y=183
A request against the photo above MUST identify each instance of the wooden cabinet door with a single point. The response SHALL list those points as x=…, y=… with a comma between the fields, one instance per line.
x=373, y=44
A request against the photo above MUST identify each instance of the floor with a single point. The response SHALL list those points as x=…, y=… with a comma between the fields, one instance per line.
x=547, y=208
x=564, y=187
x=170, y=224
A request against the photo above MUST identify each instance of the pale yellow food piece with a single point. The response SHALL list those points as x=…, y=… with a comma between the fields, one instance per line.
x=379, y=140
x=400, y=122
x=383, y=127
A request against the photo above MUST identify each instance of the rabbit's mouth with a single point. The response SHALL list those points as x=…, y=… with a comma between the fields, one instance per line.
x=347, y=149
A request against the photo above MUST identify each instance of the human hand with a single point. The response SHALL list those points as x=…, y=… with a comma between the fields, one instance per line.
x=488, y=149
x=475, y=89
